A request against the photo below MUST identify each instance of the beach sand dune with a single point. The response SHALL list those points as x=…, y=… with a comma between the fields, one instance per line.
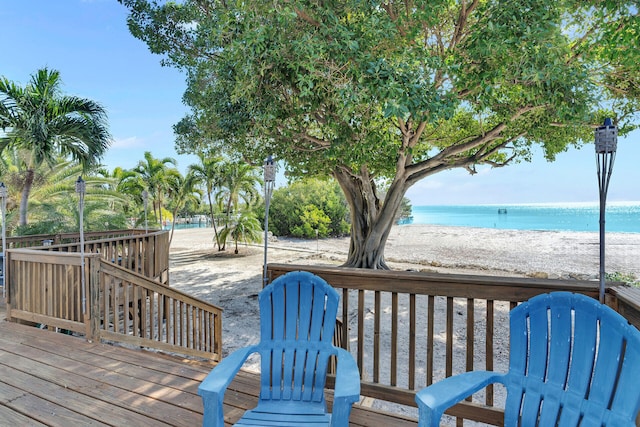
x=233, y=281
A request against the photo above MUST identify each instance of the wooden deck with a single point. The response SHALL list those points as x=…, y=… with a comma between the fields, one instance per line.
x=54, y=379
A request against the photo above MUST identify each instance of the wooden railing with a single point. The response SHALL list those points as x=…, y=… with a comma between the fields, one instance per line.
x=62, y=238
x=147, y=254
x=133, y=309
x=46, y=288
x=409, y=329
x=119, y=302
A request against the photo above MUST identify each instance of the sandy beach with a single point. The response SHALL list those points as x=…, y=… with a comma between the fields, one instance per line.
x=552, y=254
x=233, y=281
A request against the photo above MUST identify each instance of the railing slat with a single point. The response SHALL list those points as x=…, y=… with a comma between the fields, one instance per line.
x=489, y=356
x=412, y=342
x=430, y=338
x=376, y=337
x=470, y=334
x=449, y=338
x=360, y=354
x=394, y=339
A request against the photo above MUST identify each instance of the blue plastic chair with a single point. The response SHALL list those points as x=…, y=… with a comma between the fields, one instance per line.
x=297, y=320
x=573, y=361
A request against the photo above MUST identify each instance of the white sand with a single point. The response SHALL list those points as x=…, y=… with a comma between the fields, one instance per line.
x=233, y=281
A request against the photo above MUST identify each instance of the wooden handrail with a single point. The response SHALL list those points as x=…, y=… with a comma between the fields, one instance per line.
x=145, y=253
x=61, y=238
x=446, y=320
x=128, y=303
x=128, y=307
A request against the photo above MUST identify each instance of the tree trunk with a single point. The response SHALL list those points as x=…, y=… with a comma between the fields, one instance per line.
x=371, y=221
x=228, y=220
x=160, y=207
x=24, y=200
x=173, y=226
x=213, y=222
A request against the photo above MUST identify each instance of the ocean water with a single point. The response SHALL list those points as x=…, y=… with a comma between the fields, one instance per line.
x=620, y=217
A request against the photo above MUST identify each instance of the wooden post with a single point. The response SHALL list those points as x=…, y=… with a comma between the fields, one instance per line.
x=8, y=284
x=92, y=316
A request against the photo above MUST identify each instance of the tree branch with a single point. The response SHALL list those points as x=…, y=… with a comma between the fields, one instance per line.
x=450, y=158
x=462, y=22
x=305, y=17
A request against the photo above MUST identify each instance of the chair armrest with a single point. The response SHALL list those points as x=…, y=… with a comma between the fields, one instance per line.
x=216, y=382
x=438, y=397
x=347, y=388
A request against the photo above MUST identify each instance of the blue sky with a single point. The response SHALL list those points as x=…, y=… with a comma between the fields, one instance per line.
x=89, y=43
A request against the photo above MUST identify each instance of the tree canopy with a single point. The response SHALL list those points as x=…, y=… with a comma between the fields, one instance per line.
x=393, y=92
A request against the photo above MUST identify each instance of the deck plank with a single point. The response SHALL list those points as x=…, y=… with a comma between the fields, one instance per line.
x=162, y=404
x=68, y=398
x=48, y=378
x=42, y=410
x=14, y=418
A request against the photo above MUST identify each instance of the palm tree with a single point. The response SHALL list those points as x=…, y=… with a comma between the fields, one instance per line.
x=129, y=183
x=239, y=183
x=54, y=203
x=158, y=177
x=209, y=174
x=182, y=191
x=246, y=228
x=40, y=123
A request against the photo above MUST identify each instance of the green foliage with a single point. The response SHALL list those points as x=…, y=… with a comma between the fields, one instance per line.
x=245, y=227
x=39, y=125
x=404, y=213
x=53, y=202
x=364, y=91
x=628, y=278
x=342, y=77
x=305, y=206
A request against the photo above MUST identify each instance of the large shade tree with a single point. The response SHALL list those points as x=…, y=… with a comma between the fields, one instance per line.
x=392, y=92
x=40, y=123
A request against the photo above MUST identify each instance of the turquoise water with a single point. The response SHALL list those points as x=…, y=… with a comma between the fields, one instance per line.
x=620, y=217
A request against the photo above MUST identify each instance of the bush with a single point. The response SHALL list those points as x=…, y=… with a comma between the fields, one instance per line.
x=627, y=278
x=305, y=206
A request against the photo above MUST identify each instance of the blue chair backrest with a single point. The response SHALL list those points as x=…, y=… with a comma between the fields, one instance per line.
x=297, y=319
x=573, y=361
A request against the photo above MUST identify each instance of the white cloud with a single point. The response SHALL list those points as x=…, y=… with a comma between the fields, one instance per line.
x=125, y=143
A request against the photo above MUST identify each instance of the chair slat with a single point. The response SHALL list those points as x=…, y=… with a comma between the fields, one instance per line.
x=627, y=395
x=277, y=316
x=610, y=347
x=292, y=310
x=305, y=301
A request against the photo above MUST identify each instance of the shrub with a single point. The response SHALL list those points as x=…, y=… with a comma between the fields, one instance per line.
x=305, y=206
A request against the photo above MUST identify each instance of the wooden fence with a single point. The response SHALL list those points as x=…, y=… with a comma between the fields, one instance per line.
x=125, y=298
x=45, y=288
x=63, y=238
x=147, y=254
x=408, y=330
x=135, y=310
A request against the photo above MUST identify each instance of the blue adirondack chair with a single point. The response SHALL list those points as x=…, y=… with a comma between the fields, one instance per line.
x=297, y=320
x=573, y=361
